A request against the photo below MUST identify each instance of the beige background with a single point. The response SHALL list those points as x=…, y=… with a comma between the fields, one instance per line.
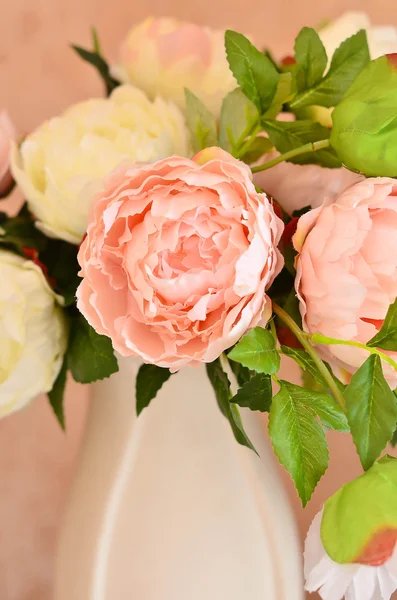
x=39, y=77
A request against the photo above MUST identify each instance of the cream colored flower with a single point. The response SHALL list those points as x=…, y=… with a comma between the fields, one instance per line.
x=60, y=166
x=33, y=333
x=382, y=39
x=164, y=56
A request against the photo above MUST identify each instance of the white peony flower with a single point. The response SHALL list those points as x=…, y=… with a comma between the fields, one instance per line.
x=164, y=56
x=60, y=166
x=382, y=39
x=335, y=581
x=7, y=136
x=33, y=333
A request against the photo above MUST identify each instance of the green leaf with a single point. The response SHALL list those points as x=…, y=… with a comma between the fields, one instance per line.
x=371, y=410
x=291, y=306
x=256, y=149
x=55, y=396
x=287, y=135
x=242, y=374
x=393, y=440
x=359, y=511
x=239, y=116
x=299, y=212
x=256, y=394
x=21, y=232
x=284, y=92
x=310, y=383
x=330, y=414
x=253, y=71
x=149, y=381
x=201, y=123
x=386, y=338
x=221, y=386
x=267, y=52
x=60, y=258
x=311, y=58
x=347, y=62
x=297, y=437
x=364, y=131
x=99, y=63
x=307, y=364
x=90, y=356
x=257, y=351
x=95, y=41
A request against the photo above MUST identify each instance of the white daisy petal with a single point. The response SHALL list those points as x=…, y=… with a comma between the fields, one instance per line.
x=334, y=581
x=337, y=582
x=314, y=550
x=364, y=582
x=387, y=582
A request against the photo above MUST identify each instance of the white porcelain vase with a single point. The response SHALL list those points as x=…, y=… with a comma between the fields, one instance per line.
x=168, y=506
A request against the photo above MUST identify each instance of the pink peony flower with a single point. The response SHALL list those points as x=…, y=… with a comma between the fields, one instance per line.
x=7, y=135
x=347, y=268
x=297, y=186
x=354, y=581
x=178, y=257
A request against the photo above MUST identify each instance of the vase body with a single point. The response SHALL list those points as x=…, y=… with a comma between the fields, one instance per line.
x=168, y=506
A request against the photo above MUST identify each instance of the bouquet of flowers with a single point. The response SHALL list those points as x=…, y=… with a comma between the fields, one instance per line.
x=220, y=206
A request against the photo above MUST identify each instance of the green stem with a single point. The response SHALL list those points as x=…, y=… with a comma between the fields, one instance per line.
x=303, y=338
x=273, y=328
x=276, y=379
x=243, y=143
x=318, y=338
x=310, y=147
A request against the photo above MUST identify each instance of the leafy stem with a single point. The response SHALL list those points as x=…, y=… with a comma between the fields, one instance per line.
x=243, y=144
x=318, y=338
x=310, y=147
x=303, y=338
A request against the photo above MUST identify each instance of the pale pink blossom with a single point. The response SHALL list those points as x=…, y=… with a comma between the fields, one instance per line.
x=163, y=56
x=178, y=257
x=7, y=136
x=297, y=186
x=347, y=268
x=353, y=581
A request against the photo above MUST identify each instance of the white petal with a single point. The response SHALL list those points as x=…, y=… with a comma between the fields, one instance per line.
x=364, y=582
x=387, y=582
x=314, y=550
x=337, y=582
x=320, y=574
x=391, y=564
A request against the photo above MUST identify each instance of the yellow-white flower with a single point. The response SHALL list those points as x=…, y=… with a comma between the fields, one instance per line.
x=164, y=56
x=33, y=333
x=60, y=166
x=382, y=39
x=353, y=581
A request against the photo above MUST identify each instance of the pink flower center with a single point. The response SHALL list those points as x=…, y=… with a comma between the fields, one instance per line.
x=379, y=549
x=392, y=58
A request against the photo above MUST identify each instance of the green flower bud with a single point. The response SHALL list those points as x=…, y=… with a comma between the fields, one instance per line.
x=364, y=132
x=359, y=523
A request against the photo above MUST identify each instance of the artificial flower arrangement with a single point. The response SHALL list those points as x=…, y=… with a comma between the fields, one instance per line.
x=222, y=207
